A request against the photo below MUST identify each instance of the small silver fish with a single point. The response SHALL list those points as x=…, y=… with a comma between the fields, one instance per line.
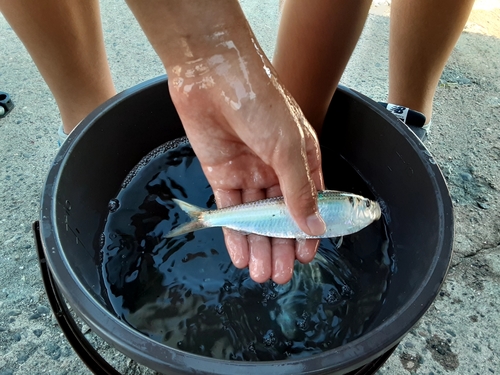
x=343, y=213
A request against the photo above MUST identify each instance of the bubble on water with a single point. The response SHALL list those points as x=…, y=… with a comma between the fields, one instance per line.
x=333, y=296
x=302, y=324
x=219, y=309
x=227, y=286
x=269, y=293
x=153, y=154
x=269, y=339
x=102, y=240
x=346, y=291
x=113, y=205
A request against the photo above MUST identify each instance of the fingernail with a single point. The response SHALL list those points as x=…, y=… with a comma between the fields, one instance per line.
x=316, y=225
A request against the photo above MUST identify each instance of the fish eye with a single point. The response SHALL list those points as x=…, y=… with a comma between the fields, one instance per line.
x=368, y=203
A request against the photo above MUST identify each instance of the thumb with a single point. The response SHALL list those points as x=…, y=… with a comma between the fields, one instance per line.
x=299, y=189
x=302, y=205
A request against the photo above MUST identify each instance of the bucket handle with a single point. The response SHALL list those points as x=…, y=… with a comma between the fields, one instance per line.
x=92, y=359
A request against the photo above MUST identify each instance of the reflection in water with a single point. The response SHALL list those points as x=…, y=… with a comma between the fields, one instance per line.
x=185, y=293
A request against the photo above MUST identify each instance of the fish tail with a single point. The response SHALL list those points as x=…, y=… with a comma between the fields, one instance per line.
x=196, y=215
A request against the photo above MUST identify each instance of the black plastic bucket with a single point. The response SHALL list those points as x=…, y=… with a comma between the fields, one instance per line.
x=91, y=165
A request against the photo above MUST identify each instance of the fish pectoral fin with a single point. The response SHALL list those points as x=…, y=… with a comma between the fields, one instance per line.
x=242, y=232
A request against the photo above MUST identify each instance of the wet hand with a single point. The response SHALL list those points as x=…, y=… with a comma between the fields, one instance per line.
x=252, y=142
x=249, y=134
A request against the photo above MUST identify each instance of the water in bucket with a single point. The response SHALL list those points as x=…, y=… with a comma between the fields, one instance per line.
x=185, y=292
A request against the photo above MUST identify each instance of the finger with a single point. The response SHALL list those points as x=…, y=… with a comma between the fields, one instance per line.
x=273, y=191
x=237, y=248
x=298, y=187
x=283, y=258
x=259, y=264
x=259, y=247
x=305, y=250
x=236, y=243
x=283, y=250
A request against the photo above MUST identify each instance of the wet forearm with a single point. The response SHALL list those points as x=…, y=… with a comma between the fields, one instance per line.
x=185, y=30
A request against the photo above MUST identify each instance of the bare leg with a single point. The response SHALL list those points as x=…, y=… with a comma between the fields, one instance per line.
x=422, y=36
x=315, y=41
x=65, y=41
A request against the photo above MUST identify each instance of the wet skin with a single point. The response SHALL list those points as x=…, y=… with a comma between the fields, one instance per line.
x=249, y=134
